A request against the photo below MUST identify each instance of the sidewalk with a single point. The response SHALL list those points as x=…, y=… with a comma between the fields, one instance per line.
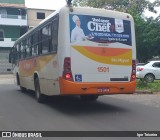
x=6, y=79
x=3, y=76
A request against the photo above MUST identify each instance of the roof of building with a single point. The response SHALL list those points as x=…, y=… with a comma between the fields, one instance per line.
x=12, y=5
x=40, y=9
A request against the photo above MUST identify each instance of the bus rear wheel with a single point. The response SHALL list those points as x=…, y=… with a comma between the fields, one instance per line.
x=39, y=96
x=89, y=97
x=23, y=89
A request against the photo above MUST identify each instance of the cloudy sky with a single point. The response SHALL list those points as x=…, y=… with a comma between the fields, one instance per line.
x=45, y=4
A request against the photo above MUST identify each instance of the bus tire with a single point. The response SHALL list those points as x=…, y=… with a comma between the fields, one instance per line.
x=19, y=84
x=89, y=97
x=17, y=79
x=39, y=96
x=23, y=89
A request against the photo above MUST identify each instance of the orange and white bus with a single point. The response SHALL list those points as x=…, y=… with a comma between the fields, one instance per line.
x=78, y=51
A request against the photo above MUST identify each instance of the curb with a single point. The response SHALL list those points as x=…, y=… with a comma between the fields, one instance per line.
x=143, y=92
x=3, y=76
x=147, y=92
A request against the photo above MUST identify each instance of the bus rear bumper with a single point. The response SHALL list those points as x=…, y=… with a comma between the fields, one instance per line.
x=86, y=88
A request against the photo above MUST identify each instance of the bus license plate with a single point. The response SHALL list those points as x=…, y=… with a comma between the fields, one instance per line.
x=103, y=90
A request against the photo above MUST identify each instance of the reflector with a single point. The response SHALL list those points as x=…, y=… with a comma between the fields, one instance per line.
x=68, y=76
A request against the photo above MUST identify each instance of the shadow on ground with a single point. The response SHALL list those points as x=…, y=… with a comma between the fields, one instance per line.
x=74, y=104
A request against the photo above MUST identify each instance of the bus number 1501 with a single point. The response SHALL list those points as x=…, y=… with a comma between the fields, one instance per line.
x=103, y=69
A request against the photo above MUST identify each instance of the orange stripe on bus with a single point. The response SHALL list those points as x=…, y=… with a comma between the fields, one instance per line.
x=102, y=51
x=122, y=59
x=29, y=66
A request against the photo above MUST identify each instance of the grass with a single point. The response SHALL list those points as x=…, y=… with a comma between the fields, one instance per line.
x=153, y=87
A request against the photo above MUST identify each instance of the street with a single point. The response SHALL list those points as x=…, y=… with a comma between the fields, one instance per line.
x=20, y=111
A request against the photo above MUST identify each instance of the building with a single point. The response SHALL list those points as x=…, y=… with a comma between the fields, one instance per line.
x=35, y=16
x=15, y=20
x=13, y=24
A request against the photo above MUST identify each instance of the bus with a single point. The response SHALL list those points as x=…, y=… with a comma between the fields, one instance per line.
x=87, y=52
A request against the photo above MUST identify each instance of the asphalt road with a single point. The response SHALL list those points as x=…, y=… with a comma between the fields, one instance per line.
x=21, y=112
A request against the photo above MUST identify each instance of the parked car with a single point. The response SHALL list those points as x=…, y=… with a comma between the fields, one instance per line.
x=149, y=72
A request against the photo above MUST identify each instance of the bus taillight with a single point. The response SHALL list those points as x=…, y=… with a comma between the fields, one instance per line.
x=68, y=76
x=133, y=74
x=67, y=73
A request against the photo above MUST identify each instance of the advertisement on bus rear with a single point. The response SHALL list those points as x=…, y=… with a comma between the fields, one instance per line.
x=99, y=29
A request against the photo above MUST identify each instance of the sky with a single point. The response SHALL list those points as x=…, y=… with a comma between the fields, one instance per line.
x=45, y=4
x=57, y=4
x=149, y=14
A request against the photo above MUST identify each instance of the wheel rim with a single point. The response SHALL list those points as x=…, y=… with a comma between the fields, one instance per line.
x=149, y=78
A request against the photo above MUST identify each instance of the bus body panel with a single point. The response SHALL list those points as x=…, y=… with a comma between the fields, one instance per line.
x=91, y=70
x=46, y=67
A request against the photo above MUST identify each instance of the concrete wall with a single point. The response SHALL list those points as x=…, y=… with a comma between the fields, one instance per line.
x=5, y=67
x=32, y=16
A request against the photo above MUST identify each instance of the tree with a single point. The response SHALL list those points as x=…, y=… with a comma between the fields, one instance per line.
x=120, y=5
x=151, y=38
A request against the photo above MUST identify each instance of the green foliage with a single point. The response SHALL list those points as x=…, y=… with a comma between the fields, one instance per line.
x=153, y=87
x=141, y=84
x=120, y=5
x=148, y=38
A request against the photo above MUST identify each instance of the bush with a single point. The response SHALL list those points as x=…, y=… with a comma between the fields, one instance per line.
x=143, y=85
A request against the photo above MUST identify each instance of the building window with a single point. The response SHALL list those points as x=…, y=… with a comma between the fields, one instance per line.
x=3, y=13
x=1, y=36
x=40, y=15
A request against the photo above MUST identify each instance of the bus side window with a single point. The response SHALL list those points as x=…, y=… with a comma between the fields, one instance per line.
x=28, y=48
x=19, y=51
x=46, y=38
x=30, y=45
x=23, y=48
x=35, y=44
x=54, y=36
